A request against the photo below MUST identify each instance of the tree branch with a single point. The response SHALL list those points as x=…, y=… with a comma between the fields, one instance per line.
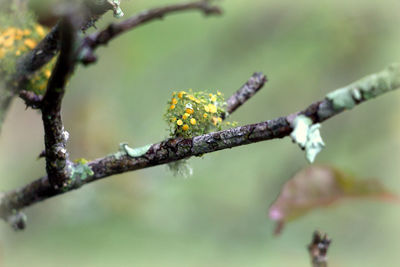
x=255, y=83
x=176, y=149
x=99, y=38
x=42, y=189
x=57, y=159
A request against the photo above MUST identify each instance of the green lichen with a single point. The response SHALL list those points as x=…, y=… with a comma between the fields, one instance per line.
x=17, y=220
x=121, y=152
x=135, y=152
x=368, y=87
x=119, y=155
x=315, y=144
x=181, y=168
x=81, y=170
x=377, y=84
x=342, y=98
x=300, y=132
x=118, y=13
x=307, y=136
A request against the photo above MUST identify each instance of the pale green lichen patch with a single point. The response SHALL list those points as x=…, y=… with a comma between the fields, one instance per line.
x=315, y=144
x=377, y=84
x=368, y=87
x=307, y=136
x=356, y=94
x=121, y=152
x=119, y=155
x=342, y=98
x=181, y=168
x=17, y=220
x=300, y=132
x=135, y=152
x=118, y=13
x=81, y=170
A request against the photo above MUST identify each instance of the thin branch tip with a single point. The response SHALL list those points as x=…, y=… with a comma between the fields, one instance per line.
x=318, y=249
x=103, y=37
x=210, y=8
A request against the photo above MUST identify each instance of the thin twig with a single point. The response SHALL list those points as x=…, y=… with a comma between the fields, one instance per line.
x=318, y=249
x=102, y=37
x=255, y=83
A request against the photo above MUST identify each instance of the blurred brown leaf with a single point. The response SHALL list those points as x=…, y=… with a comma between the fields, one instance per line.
x=320, y=186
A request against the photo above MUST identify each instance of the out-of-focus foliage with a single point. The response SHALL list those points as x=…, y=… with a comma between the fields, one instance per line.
x=320, y=186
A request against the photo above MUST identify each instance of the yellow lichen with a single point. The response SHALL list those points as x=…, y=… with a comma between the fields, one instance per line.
x=47, y=73
x=181, y=93
x=17, y=36
x=185, y=116
x=213, y=98
x=192, y=110
x=40, y=30
x=30, y=43
x=212, y=108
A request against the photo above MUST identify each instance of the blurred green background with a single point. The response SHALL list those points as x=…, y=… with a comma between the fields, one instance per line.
x=218, y=217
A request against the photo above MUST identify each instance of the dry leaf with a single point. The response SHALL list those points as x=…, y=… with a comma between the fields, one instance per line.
x=319, y=186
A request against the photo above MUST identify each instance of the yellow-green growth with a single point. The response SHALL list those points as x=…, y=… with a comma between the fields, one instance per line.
x=18, y=35
x=80, y=170
x=194, y=113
